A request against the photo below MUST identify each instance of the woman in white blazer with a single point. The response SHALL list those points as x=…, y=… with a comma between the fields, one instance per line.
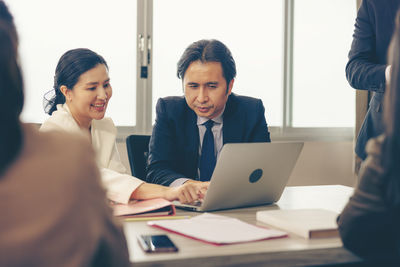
x=80, y=96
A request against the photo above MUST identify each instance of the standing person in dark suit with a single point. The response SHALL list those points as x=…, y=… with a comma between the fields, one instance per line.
x=367, y=68
x=190, y=130
x=369, y=224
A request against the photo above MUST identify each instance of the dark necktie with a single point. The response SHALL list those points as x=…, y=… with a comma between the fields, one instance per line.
x=207, y=158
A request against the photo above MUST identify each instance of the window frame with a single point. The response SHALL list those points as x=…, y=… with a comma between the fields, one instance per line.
x=285, y=133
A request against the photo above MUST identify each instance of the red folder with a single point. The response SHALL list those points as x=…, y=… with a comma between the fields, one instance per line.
x=145, y=208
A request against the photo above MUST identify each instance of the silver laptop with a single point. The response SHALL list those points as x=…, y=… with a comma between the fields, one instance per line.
x=249, y=174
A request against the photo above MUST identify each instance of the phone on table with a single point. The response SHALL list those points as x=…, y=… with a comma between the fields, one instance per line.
x=156, y=243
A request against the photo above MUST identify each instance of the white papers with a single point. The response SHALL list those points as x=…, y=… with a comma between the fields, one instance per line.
x=217, y=229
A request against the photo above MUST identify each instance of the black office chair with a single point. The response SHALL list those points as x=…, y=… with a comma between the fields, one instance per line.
x=138, y=151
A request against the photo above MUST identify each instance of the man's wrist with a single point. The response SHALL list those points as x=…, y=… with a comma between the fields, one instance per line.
x=179, y=182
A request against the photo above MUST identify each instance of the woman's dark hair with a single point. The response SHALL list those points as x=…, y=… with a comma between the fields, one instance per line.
x=11, y=90
x=70, y=67
x=208, y=51
x=391, y=112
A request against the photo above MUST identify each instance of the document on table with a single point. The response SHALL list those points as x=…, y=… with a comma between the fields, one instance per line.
x=217, y=229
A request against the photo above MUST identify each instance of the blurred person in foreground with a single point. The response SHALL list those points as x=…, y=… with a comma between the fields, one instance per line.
x=369, y=224
x=54, y=209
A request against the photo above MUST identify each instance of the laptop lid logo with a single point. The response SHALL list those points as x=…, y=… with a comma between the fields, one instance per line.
x=255, y=175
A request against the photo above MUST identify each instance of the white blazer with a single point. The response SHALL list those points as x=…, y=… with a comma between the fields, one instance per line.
x=118, y=183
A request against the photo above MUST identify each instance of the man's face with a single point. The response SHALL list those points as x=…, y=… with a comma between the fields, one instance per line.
x=205, y=88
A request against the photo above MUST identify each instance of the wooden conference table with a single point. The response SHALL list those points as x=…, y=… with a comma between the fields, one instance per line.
x=290, y=251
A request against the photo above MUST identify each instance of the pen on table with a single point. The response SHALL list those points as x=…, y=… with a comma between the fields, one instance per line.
x=155, y=218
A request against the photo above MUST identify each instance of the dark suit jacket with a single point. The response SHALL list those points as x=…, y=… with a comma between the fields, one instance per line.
x=367, y=61
x=174, y=144
x=369, y=224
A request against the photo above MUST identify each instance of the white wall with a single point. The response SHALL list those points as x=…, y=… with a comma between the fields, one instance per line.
x=324, y=163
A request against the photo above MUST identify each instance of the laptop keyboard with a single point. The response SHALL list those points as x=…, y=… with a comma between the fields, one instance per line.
x=197, y=203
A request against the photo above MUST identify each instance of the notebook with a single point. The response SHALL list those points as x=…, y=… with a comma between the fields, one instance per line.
x=308, y=223
x=249, y=174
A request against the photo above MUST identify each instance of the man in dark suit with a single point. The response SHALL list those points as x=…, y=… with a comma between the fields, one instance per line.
x=367, y=69
x=190, y=130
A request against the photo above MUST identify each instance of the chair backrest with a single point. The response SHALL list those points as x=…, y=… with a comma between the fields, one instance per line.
x=138, y=150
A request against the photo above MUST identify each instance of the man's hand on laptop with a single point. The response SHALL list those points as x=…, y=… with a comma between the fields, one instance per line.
x=191, y=191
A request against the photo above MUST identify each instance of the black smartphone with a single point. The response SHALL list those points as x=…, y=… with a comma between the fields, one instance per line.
x=156, y=243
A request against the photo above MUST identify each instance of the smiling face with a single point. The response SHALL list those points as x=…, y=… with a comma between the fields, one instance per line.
x=206, y=89
x=88, y=99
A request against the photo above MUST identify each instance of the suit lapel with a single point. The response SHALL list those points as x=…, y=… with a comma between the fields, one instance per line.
x=230, y=129
x=192, y=140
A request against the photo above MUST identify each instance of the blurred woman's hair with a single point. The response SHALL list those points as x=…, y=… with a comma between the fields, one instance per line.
x=11, y=90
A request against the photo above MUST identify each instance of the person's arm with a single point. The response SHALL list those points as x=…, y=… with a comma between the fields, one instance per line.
x=119, y=186
x=122, y=187
x=363, y=70
x=162, y=150
x=366, y=225
x=186, y=193
x=115, y=179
